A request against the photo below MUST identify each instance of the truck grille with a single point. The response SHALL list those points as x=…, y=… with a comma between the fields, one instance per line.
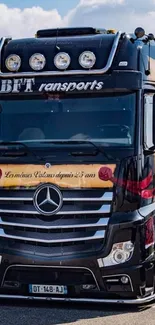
x=79, y=227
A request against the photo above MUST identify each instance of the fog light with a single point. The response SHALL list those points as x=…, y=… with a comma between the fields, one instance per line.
x=124, y=279
x=120, y=253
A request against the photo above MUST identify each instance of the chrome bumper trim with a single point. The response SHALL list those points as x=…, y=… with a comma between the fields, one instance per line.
x=138, y=301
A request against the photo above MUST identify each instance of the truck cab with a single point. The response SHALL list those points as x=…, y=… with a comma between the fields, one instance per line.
x=77, y=166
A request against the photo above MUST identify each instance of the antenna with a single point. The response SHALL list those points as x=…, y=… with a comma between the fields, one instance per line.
x=57, y=34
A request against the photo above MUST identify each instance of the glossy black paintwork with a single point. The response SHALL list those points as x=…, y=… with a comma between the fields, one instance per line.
x=132, y=165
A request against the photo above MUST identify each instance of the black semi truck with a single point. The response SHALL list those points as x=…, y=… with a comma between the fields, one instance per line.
x=77, y=166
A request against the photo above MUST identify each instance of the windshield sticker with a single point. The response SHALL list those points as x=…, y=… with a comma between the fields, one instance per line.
x=29, y=85
x=69, y=176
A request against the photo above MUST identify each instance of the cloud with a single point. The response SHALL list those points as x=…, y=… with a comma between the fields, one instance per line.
x=124, y=15
x=24, y=23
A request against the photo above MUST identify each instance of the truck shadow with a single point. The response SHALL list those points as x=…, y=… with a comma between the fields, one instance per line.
x=47, y=313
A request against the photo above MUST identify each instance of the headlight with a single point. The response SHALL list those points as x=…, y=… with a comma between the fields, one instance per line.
x=120, y=253
x=13, y=62
x=37, y=61
x=62, y=61
x=87, y=60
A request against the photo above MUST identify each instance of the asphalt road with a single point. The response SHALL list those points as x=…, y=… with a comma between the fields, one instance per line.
x=17, y=313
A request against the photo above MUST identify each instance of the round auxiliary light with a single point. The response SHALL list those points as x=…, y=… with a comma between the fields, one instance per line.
x=13, y=62
x=37, y=61
x=124, y=279
x=119, y=256
x=62, y=61
x=87, y=60
x=139, y=32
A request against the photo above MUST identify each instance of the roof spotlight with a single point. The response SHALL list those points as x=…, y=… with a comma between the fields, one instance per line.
x=87, y=59
x=37, y=61
x=62, y=61
x=151, y=37
x=13, y=62
x=139, y=32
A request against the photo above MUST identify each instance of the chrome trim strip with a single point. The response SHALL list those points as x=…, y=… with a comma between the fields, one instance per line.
x=51, y=267
x=142, y=287
x=100, y=223
x=147, y=86
x=104, y=209
x=118, y=275
x=113, y=280
x=108, y=196
x=16, y=198
x=68, y=72
x=2, y=42
x=100, y=234
x=138, y=301
x=149, y=245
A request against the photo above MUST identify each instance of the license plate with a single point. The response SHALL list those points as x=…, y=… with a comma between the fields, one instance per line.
x=47, y=289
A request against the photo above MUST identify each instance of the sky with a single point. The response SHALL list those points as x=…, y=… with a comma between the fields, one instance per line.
x=22, y=18
x=63, y=6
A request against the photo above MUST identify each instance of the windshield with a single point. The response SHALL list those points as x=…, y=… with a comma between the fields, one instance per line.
x=106, y=119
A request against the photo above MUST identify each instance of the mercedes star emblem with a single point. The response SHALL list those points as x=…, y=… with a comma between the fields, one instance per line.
x=48, y=200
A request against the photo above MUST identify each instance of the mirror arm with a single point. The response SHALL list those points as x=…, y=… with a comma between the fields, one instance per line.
x=149, y=151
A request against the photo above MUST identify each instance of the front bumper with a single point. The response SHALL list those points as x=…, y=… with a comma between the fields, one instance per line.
x=18, y=271
x=16, y=278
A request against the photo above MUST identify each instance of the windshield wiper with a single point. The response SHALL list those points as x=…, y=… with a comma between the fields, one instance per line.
x=76, y=142
x=15, y=152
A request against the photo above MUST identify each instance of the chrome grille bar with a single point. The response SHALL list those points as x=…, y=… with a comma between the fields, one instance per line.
x=98, y=235
x=28, y=199
x=82, y=220
x=103, y=222
x=104, y=209
x=108, y=196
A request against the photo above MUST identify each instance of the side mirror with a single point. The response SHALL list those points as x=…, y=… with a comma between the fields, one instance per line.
x=153, y=124
x=149, y=124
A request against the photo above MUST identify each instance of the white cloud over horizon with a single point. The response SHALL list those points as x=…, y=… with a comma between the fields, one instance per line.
x=124, y=15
